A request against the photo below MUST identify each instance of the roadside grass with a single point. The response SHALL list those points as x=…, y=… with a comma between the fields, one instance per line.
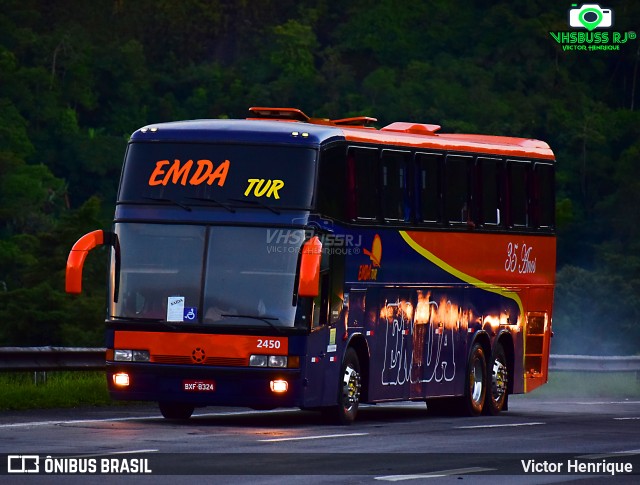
x=591, y=384
x=59, y=389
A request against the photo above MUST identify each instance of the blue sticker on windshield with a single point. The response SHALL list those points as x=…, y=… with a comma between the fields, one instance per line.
x=190, y=314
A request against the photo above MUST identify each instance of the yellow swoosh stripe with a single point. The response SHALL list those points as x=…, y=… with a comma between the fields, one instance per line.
x=460, y=275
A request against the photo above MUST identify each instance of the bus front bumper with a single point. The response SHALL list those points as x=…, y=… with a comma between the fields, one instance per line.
x=205, y=385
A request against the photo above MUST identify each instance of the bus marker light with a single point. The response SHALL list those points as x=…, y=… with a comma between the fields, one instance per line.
x=279, y=386
x=121, y=379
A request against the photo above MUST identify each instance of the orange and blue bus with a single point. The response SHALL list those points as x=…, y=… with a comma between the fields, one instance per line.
x=289, y=261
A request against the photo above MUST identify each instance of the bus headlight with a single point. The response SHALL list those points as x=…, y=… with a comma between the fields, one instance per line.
x=122, y=355
x=279, y=361
x=126, y=355
x=140, y=356
x=258, y=361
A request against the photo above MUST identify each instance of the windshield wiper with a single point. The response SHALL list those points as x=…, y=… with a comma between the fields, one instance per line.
x=174, y=202
x=214, y=201
x=266, y=320
x=257, y=202
x=161, y=321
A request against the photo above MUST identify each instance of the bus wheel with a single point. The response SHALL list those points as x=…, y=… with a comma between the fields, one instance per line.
x=349, y=388
x=476, y=383
x=176, y=411
x=497, y=394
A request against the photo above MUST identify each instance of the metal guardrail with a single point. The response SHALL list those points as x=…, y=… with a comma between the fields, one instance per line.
x=75, y=358
x=594, y=363
x=36, y=359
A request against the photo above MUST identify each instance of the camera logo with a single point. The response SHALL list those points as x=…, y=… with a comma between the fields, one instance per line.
x=590, y=16
x=23, y=464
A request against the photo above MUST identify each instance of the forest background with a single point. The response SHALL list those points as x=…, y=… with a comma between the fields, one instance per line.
x=78, y=77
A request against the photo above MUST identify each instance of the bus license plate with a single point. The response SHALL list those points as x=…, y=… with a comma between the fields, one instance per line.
x=198, y=386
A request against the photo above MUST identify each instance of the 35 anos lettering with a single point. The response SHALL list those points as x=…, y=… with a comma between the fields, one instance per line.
x=519, y=259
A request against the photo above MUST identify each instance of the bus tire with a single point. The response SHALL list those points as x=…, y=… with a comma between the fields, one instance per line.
x=349, y=388
x=176, y=411
x=475, y=386
x=499, y=378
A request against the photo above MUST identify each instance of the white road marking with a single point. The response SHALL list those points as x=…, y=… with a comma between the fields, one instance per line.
x=437, y=474
x=320, y=437
x=593, y=403
x=512, y=425
x=613, y=454
x=109, y=453
x=625, y=419
x=134, y=418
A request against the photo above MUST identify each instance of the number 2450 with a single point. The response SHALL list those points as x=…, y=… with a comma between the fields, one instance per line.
x=268, y=344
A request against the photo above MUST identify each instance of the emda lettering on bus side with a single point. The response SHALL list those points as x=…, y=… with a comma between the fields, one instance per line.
x=178, y=173
x=262, y=187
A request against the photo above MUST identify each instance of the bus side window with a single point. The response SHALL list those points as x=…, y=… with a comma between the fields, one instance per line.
x=518, y=192
x=332, y=187
x=428, y=185
x=458, y=188
x=544, y=200
x=395, y=191
x=362, y=184
x=336, y=303
x=490, y=191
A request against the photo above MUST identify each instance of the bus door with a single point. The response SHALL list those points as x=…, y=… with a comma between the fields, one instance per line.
x=325, y=343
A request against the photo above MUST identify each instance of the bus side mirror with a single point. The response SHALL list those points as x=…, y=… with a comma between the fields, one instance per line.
x=77, y=255
x=309, y=282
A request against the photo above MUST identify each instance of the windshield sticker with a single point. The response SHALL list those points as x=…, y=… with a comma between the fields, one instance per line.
x=178, y=173
x=190, y=314
x=175, y=309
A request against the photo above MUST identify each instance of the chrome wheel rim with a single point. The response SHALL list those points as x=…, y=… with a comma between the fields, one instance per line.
x=499, y=381
x=350, y=388
x=477, y=383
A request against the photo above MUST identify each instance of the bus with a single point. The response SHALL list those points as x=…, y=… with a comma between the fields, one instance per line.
x=288, y=261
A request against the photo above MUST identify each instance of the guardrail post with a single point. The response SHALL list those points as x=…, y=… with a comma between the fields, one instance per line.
x=39, y=377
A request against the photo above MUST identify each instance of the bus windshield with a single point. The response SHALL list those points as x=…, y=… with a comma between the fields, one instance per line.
x=224, y=174
x=247, y=278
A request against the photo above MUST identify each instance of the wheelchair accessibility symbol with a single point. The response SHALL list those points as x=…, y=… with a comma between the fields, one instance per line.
x=190, y=314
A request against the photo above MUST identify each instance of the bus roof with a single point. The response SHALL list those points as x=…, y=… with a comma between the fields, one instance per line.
x=292, y=126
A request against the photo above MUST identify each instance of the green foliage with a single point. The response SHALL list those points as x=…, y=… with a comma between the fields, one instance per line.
x=79, y=77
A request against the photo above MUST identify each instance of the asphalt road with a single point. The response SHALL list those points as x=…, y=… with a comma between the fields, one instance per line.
x=539, y=440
